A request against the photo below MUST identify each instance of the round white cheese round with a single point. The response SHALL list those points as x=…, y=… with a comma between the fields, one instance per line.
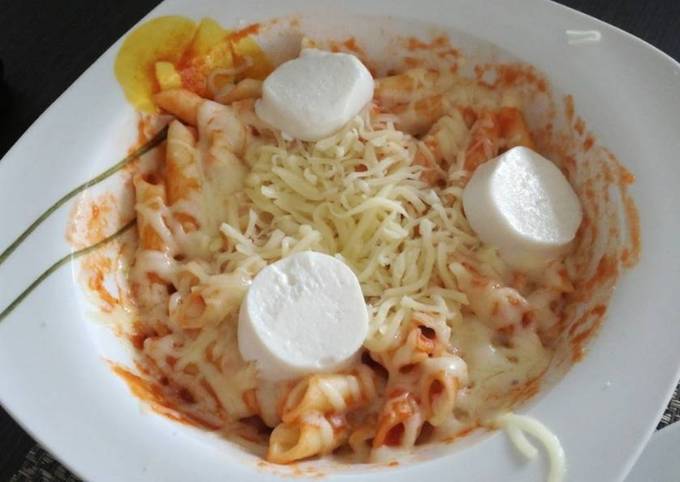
x=521, y=203
x=314, y=95
x=303, y=314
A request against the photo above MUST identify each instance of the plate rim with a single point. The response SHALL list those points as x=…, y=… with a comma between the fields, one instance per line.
x=72, y=465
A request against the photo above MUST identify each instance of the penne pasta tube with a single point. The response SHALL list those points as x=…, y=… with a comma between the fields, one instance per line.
x=181, y=103
x=211, y=301
x=514, y=129
x=311, y=435
x=150, y=204
x=245, y=89
x=400, y=422
x=327, y=393
x=361, y=439
x=183, y=176
x=442, y=376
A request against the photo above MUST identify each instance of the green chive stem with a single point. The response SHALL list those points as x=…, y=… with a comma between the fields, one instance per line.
x=66, y=259
x=153, y=142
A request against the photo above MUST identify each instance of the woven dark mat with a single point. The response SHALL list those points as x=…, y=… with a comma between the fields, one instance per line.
x=672, y=413
x=41, y=466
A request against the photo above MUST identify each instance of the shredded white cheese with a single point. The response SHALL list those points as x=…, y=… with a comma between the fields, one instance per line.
x=516, y=426
x=356, y=195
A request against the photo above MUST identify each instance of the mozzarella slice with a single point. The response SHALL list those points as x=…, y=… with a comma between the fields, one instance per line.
x=314, y=95
x=521, y=203
x=303, y=314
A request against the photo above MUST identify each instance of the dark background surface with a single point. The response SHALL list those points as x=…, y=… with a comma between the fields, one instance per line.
x=46, y=45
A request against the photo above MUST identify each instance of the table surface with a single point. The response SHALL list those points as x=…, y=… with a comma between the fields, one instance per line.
x=45, y=46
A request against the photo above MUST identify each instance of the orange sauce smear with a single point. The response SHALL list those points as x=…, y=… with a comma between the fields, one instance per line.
x=152, y=393
x=439, y=47
x=509, y=75
x=90, y=222
x=583, y=329
x=440, y=44
x=293, y=470
x=462, y=433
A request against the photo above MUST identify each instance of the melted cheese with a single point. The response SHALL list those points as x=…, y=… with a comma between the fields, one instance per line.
x=515, y=426
x=356, y=195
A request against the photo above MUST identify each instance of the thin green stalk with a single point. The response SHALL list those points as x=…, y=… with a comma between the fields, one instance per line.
x=157, y=139
x=66, y=259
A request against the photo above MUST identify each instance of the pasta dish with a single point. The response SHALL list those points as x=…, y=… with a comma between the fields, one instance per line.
x=457, y=332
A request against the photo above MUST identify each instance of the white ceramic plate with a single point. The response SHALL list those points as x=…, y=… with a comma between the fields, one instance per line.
x=55, y=382
x=659, y=461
